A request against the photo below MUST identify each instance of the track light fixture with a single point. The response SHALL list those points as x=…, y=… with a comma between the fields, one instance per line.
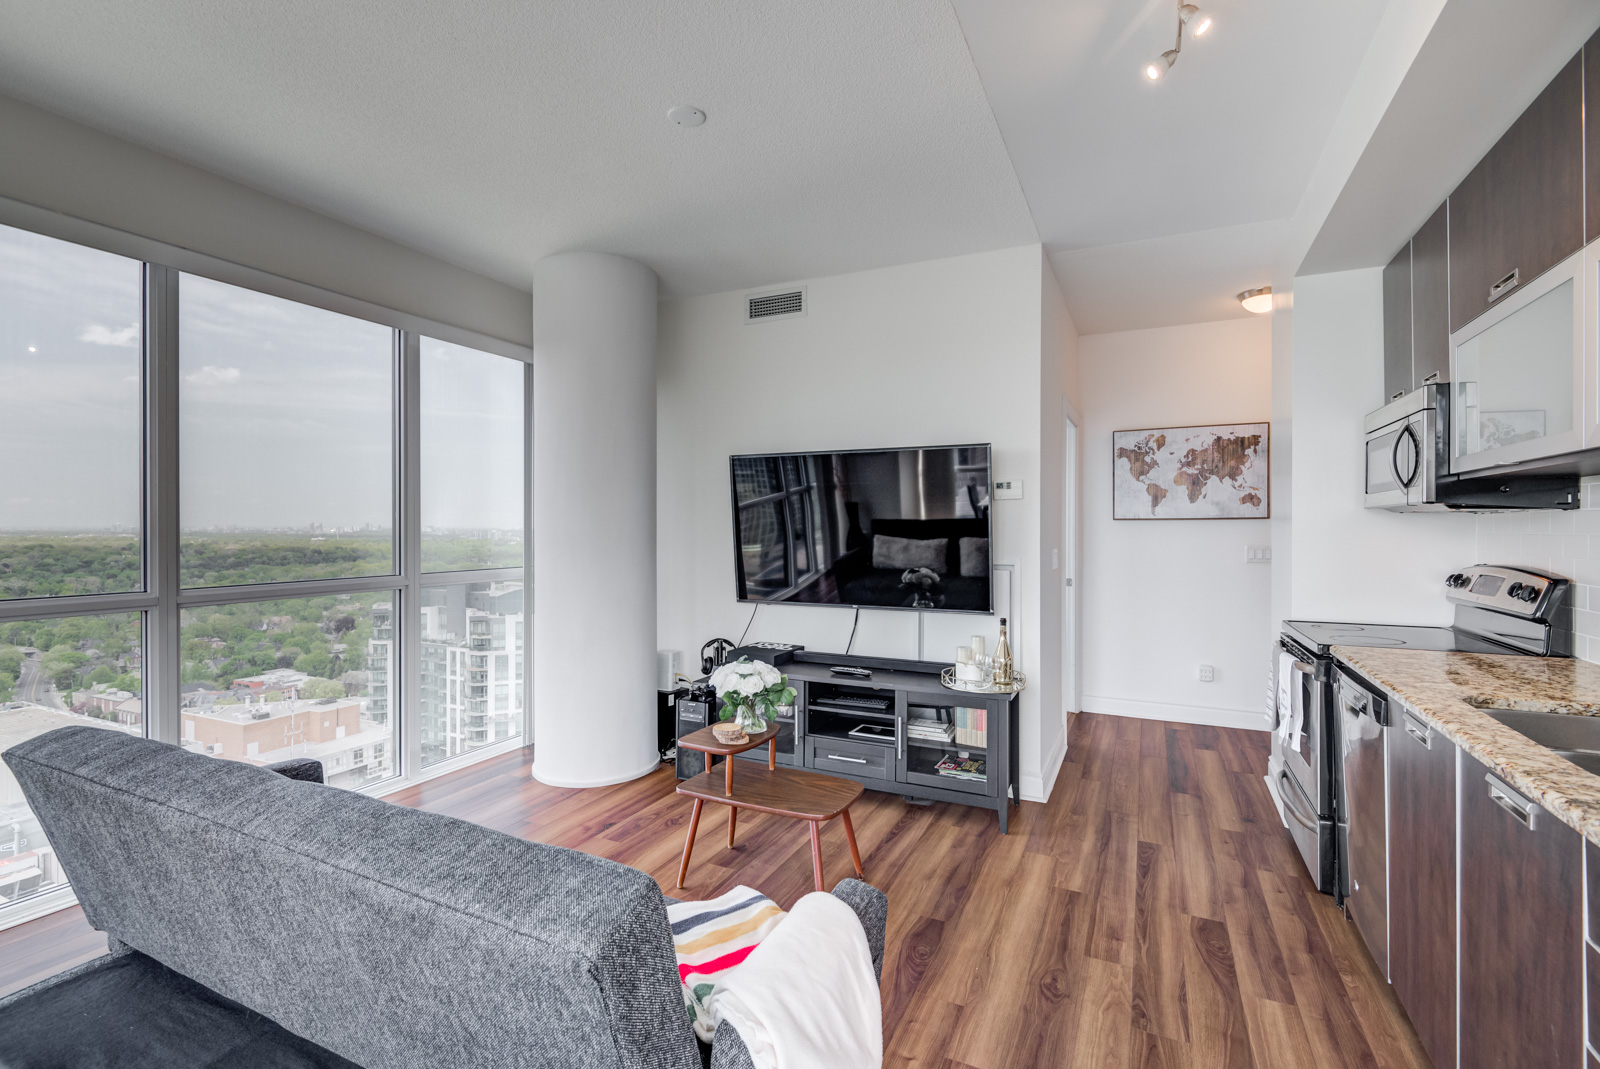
x=1200, y=25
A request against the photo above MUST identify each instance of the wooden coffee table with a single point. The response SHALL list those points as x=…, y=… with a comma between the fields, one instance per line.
x=784, y=792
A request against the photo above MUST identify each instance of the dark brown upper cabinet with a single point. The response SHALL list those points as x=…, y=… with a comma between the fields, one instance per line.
x=1430, y=300
x=1397, y=370
x=1591, y=91
x=1520, y=212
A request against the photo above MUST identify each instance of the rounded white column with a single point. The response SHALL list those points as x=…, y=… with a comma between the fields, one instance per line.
x=593, y=645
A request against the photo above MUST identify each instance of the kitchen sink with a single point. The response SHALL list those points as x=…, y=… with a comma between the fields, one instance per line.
x=1571, y=735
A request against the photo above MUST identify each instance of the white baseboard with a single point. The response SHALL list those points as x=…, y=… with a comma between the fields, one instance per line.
x=1253, y=720
x=553, y=781
x=1037, y=788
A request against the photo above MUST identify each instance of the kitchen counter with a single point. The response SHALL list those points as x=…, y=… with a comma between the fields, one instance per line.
x=1448, y=690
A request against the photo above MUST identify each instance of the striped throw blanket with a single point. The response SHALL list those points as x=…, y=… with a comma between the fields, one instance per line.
x=712, y=937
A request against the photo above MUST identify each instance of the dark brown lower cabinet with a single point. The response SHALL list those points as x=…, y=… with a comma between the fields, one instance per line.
x=1521, y=963
x=1422, y=880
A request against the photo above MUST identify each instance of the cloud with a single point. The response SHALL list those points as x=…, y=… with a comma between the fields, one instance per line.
x=214, y=376
x=126, y=338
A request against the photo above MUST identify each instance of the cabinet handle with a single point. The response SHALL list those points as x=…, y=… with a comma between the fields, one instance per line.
x=1430, y=379
x=842, y=757
x=1505, y=285
x=1397, y=395
x=1418, y=732
x=1510, y=801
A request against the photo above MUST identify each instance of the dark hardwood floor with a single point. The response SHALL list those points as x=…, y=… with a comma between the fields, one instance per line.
x=1153, y=914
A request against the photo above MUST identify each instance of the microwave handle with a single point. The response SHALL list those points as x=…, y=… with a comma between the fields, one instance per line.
x=1406, y=432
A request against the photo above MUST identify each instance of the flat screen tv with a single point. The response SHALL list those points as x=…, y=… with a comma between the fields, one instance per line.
x=870, y=528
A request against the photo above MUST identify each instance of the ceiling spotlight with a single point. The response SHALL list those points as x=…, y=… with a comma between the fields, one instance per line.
x=1258, y=301
x=1187, y=13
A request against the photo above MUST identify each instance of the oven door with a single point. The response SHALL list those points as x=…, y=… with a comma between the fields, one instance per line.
x=1301, y=743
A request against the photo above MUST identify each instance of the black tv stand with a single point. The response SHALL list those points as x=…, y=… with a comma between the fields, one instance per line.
x=946, y=745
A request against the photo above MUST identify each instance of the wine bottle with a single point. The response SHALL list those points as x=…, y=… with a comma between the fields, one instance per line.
x=1003, y=671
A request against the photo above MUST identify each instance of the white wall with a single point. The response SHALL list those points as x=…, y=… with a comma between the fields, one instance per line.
x=60, y=165
x=1058, y=390
x=920, y=354
x=1161, y=597
x=1350, y=563
x=1566, y=544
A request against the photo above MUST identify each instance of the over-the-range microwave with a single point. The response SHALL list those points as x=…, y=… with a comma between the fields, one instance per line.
x=1408, y=465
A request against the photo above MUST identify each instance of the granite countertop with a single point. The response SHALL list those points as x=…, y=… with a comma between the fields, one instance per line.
x=1449, y=690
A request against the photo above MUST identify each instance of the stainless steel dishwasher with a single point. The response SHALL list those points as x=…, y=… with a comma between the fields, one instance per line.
x=1364, y=813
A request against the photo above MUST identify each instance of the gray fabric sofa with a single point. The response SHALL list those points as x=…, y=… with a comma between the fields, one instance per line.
x=261, y=920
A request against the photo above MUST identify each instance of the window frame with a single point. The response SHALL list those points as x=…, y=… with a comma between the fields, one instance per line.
x=163, y=599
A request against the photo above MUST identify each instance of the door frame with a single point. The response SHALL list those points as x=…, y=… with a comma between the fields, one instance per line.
x=1070, y=643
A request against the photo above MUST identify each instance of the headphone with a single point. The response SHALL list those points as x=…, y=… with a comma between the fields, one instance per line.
x=714, y=654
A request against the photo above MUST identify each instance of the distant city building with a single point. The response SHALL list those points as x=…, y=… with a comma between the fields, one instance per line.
x=471, y=691
x=379, y=649
x=286, y=680
x=353, y=749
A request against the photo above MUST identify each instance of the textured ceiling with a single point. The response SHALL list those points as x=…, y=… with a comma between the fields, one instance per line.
x=843, y=134
x=1158, y=201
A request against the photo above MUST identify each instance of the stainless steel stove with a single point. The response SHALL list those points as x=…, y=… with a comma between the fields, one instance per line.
x=1498, y=610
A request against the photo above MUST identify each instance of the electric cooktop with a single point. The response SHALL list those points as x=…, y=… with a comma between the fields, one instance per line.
x=1322, y=637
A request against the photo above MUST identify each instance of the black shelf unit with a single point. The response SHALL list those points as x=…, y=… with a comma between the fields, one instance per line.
x=903, y=695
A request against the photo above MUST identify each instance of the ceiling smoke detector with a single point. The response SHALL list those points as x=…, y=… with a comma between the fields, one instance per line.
x=686, y=115
x=1258, y=301
x=1188, y=15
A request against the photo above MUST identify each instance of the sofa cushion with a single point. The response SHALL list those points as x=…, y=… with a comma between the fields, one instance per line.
x=396, y=938
x=902, y=553
x=132, y=1012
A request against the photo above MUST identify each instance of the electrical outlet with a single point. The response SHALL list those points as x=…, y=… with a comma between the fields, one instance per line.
x=1009, y=490
x=1258, y=554
x=1207, y=673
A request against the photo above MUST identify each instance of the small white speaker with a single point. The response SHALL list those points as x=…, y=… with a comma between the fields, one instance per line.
x=668, y=664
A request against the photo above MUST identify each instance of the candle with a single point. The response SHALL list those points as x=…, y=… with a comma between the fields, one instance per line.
x=963, y=655
x=977, y=646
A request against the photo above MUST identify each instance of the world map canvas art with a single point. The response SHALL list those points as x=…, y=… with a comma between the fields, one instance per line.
x=1191, y=473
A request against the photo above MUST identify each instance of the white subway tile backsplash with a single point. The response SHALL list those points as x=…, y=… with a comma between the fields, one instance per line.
x=1565, y=544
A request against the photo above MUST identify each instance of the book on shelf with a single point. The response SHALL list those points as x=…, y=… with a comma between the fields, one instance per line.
x=931, y=730
x=969, y=768
x=972, y=728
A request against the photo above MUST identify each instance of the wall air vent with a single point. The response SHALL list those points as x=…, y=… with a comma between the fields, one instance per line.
x=780, y=305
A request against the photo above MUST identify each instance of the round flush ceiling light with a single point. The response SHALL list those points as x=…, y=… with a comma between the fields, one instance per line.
x=1258, y=301
x=686, y=115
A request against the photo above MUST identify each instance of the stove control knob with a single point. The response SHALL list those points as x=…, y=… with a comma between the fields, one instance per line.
x=1515, y=591
x=1455, y=581
x=1530, y=593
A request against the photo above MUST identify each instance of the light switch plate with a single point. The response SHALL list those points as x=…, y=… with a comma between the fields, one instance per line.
x=1009, y=490
x=1207, y=673
x=1258, y=554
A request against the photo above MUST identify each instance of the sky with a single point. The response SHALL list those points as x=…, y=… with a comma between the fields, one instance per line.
x=285, y=411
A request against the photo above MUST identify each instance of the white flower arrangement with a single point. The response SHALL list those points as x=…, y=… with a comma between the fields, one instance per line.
x=751, y=690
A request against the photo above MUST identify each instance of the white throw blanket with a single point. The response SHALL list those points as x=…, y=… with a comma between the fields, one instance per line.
x=806, y=997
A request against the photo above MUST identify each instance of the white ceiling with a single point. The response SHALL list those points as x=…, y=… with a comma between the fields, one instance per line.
x=843, y=134
x=1159, y=201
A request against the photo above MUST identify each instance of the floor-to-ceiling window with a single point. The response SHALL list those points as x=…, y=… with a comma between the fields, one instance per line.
x=253, y=526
